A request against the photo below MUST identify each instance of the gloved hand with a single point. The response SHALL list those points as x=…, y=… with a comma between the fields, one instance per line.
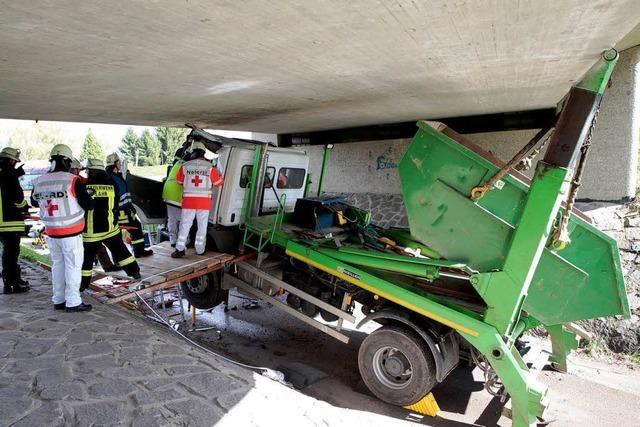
x=20, y=171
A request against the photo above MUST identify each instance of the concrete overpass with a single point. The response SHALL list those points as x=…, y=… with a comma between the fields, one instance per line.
x=290, y=67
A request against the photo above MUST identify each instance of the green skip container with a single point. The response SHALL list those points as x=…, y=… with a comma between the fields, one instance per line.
x=438, y=172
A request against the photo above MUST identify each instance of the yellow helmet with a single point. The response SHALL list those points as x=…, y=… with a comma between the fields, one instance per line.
x=61, y=150
x=197, y=145
x=112, y=159
x=95, y=164
x=10, y=153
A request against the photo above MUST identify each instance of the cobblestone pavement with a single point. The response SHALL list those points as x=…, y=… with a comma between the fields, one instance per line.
x=109, y=367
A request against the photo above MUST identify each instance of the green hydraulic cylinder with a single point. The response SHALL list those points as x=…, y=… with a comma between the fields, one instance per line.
x=420, y=267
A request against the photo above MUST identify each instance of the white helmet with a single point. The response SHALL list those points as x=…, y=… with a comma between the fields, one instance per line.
x=61, y=150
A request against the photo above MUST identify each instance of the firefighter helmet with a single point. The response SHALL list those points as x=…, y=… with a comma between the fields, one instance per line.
x=95, y=164
x=61, y=150
x=10, y=153
x=197, y=145
x=112, y=159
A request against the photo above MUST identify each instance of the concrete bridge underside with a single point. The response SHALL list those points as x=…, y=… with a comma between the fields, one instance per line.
x=300, y=65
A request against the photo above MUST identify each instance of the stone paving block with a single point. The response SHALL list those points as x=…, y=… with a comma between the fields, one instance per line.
x=91, y=350
x=195, y=413
x=79, y=336
x=68, y=390
x=157, y=417
x=32, y=347
x=158, y=383
x=17, y=366
x=5, y=348
x=111, y=387
x=133, y=372
x=127, y=353
x=14, y=388
x=48, y=415
x=181, y=370
x=94, y=365
x=52, y=376
x=211, y=384
x=143, y=398
x=174, y=360
x=100, y=414
x=9, y=324
x=12, y=410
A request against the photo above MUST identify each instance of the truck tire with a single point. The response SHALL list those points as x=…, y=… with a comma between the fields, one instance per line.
x=204, y=292
x=397, y=365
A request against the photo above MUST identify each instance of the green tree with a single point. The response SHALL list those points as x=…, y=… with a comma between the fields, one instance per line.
x=131, y=146
x=151, y=149
x=36, y=141
x=170, y=140
x=91, y=147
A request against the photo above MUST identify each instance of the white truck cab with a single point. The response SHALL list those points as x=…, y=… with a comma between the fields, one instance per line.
x=286, y=174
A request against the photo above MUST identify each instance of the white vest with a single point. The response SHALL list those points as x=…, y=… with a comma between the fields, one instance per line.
x=59, y=209
x=197, y=179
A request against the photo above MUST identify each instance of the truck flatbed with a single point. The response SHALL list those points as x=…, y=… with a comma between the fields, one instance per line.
x=158, y=272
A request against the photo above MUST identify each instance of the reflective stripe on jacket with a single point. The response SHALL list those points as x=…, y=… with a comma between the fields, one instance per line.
x=60, y=212
x=101, y=221
x=198, y=177
x=12, y=203
x=172, y=191
x=125, y=200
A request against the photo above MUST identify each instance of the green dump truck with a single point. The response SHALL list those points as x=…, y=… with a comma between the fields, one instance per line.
x=488, y=255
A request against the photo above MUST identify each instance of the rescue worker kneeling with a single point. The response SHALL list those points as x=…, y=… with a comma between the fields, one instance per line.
x=197, y=176
x=102, y=225
x=63, y=200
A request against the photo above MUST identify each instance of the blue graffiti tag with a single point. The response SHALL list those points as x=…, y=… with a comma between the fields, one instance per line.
x=383, y=163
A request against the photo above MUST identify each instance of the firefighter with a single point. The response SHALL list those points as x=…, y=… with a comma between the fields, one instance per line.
x=76, y=168
x=127, y=215
x=63, y=200
x=102, y=228
x=13, y=208
x=172, y=197
x=102, y=255
x=197, y=177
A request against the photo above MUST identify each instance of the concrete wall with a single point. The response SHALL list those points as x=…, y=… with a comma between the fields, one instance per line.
x=372, y=166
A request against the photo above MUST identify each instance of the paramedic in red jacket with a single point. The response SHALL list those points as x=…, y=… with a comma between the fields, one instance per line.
x=197, y=177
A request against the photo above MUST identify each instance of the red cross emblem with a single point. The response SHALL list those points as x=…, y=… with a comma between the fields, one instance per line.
x=197, y=180
x=51, y=208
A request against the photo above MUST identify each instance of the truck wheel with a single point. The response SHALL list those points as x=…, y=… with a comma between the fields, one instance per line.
x=204, y=292
x=396, y=365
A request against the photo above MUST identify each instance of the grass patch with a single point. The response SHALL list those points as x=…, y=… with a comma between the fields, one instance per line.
x=33, y=256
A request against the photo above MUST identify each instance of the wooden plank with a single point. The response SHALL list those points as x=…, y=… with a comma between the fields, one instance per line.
x=166, y=284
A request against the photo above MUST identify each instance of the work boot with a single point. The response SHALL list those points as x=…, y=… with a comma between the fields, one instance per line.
x=15, y=288
x=24, y=283
x=178, y=254
x=136, y=275
x=79, y=308
x=144, y=253
x=60, y=306
x=112, y=268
